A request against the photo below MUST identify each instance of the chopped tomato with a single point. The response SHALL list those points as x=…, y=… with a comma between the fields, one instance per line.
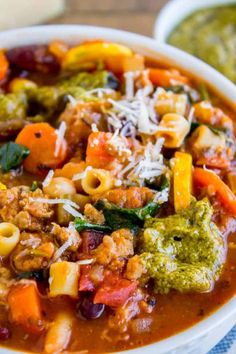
x=164, y=77
x=85, y=283
x=96, y=154
x=114, y=292
x=214, y=162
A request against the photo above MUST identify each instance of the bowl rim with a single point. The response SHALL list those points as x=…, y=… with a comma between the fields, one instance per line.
x=223, y=87
x=166, y=22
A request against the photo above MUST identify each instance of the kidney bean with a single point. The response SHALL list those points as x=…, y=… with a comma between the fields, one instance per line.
x=4, y=333
x=87, y=309
x=33, y=58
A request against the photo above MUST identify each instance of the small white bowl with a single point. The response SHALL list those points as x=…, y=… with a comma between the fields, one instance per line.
x=200, y=338
x=177, y=10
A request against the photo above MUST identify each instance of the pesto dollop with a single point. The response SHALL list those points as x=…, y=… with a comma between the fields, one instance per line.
x=210, y=34
x=184, y=251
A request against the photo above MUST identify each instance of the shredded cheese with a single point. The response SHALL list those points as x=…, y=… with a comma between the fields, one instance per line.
x=60, y=136
x=81, y=175
x=72, y=211
x=48, y=178
x=85, y=261
x=55, y=201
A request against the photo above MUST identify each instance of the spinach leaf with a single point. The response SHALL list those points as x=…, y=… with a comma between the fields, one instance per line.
x=12, y=155
x=39, y=275
x=81, y=225
x=117, y=218
x=34, y=186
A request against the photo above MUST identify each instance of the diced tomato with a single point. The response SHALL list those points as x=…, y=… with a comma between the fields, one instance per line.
x=85, y=283
x=114, y=292
x=214, y=162
x=96, y=154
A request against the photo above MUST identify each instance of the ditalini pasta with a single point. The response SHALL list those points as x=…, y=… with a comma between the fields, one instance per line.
x=97, y=181
x=9, y=237
x=117, y=204
x=64, y=279
x=173, y=128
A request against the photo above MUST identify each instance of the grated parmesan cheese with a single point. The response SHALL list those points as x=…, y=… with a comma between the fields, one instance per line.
x=60, y=136
x=55, y=201
x=81, y=175
x=72, y=211
x=48, y=178
x=94, y=128
x=85, y=261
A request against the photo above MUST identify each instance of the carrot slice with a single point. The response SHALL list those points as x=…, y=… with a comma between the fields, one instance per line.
x=164, y=77
x=41, y=140
x=4, y=65
x=205, y=178
x=25, y=307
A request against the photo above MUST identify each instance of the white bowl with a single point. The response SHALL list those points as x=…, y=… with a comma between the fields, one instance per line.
x=176, y=10
x=204, y=335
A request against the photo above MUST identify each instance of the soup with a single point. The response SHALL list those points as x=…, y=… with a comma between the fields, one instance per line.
x=117, y=199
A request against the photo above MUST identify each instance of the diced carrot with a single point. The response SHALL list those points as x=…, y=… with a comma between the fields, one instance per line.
x=69, y=170
x=25, y=307
x=4, y=65
x=41, y=140
x=115, y=292
x=96, y=154
x=164, y=77
x=206, y=178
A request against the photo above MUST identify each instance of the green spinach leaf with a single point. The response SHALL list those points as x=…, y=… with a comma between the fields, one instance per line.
x=81, y=225
x=117, y=218
x=12, y=155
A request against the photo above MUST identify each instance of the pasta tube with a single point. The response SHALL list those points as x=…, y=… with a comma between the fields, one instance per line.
x=173, y=128
x=64, y=277
x=9, y=237
x=97, y=181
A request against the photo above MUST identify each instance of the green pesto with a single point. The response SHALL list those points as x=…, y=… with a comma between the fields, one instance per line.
x=210, y=34
x=184, y=251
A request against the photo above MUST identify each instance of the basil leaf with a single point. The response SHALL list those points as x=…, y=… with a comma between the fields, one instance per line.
x=81, y=225
x=12, y=155
x=118, y=218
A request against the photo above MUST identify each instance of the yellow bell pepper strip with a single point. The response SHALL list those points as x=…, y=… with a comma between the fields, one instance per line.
x=206, y=178
x=93, y=51
x=182, y=180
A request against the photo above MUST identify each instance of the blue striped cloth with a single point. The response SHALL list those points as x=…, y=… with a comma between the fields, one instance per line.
x=227, y=345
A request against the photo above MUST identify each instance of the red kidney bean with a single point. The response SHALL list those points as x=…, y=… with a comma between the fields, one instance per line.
x=33, y=58
x=87, y=309
x=4, y=333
